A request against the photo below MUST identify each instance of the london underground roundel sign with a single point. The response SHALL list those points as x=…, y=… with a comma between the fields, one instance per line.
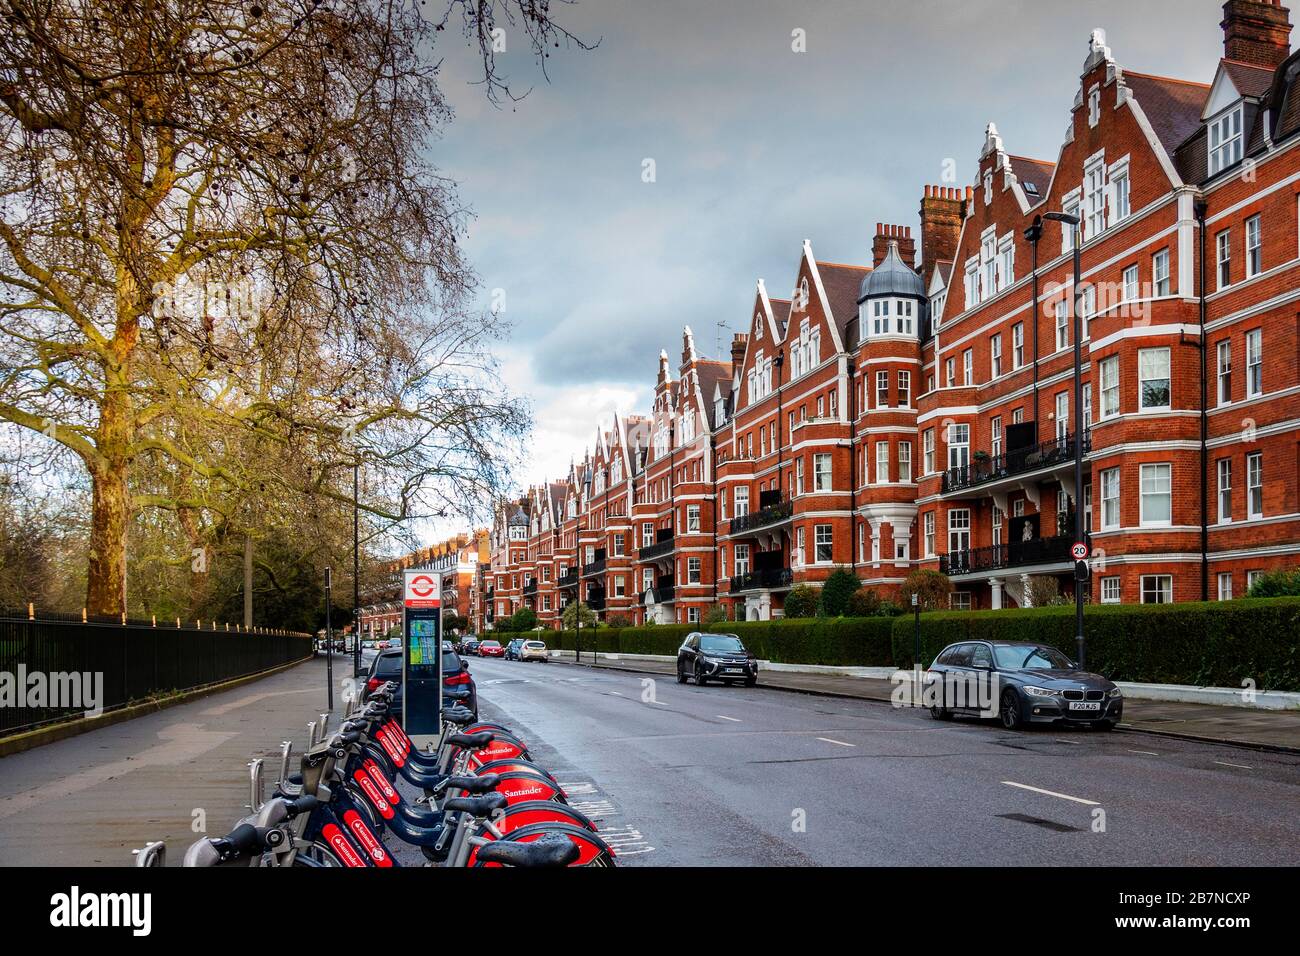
x=421, y=589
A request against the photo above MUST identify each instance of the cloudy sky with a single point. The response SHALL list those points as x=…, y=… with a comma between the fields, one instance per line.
x=755, y=148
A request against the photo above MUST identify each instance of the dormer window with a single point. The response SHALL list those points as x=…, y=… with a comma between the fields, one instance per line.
x=1226, y=140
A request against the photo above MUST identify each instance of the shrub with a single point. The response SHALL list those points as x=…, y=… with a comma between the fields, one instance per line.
x=716, y=614
x=840, y=586
x=616, y=620
x=841, y=641
x=801, y=601
x=1276, y=584
x=569, y=618
x=864, y=602
x=524, y=619
x=890, y=609
x=1219, y=643
x=932, y=586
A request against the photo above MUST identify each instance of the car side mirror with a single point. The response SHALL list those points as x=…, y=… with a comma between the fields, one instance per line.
x=464, y=665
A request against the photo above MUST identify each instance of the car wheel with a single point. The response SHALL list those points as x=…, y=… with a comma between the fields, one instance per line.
x=1009, y=711
x=940, y=713
x=700, y=679
x=681, y=673
x=751, y=681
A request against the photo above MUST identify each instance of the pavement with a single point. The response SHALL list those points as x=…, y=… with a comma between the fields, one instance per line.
x=708, y=776
x=90, y=800
x=1241, y=726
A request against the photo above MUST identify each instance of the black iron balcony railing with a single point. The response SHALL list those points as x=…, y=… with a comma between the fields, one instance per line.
x=596, y=603
x=569, y=578
x=595, y=567
x=766, y=578
x=1013, y=555
x=656, y=550
x=662, y=593
x=773, y=513
x=530, y=587
x=1007, y=464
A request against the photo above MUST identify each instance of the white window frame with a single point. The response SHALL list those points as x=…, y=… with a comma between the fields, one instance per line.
x=1161, y=585
x=1223, y=494
x=823, y=478
x=1148, y=371
x=1111, y=592
x=1108, y=372
x=1254, y=248
x=1151, y=477
x=1254, y=363
x=1110, y=501
x=1223, y=373
x=1255, y=485
x=1225, y=140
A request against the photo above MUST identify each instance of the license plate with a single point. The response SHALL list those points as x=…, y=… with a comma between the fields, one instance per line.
x=735, y=670
x=1085, y=705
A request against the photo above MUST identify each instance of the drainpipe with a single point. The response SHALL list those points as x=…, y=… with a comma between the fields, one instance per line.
x=1033, y=233
x=1200, y=210
x=853, y=468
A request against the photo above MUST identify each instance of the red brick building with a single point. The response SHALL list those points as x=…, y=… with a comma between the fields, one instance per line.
x=920, y=411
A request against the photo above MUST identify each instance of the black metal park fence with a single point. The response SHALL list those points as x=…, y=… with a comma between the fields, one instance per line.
x=57, y=666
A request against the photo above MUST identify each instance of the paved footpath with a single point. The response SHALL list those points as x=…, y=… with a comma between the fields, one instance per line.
x=90, y=800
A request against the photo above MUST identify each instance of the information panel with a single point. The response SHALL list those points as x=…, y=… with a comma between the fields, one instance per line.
x=422, y=657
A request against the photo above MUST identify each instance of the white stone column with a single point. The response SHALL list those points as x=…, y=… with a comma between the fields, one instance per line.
x=1024, y=589
x=996, y=584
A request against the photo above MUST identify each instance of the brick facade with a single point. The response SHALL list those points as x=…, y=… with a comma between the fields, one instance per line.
x=921, y=412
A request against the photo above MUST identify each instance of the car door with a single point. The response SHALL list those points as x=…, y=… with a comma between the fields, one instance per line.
x=956, y=673
x=981, y=683
x=689, y=652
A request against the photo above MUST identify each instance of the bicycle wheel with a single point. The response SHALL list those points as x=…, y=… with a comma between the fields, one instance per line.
x=316, y=854
x=593, y=851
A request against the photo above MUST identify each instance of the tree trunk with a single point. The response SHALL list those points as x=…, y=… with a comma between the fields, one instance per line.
x=110, y=512
x=248, y=581
x=109, y=520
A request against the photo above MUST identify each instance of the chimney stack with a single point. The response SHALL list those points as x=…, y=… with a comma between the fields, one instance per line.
x=900, y=234
x=942, y=212
x=1256, y=32
x=739, y=341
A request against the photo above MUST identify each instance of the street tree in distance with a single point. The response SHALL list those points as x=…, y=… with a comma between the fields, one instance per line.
x=932, y=586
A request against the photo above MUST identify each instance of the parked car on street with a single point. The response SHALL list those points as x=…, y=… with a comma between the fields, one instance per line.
x=533, y=651
x=1020, y=682
x=491, y=649
x=387, y=665
x=470, y=647
x=705, y=657
x=512, y=649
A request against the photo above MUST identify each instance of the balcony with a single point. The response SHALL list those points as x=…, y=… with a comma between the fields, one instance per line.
x=530, y=587
x=1014, y=555
x=772, y=514
x=595, y=567
x=569, y=579
x=595, y=602
x=657, y=550
x=1009, y=464
x=766, y=578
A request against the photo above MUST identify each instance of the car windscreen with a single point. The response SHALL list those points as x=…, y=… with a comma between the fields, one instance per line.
x=489, y=644
x=1021, y=657
x=720, y=642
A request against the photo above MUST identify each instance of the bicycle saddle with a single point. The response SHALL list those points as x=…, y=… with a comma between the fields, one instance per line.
x=483, y=806
x=484, y=784
x=455, y=693
x=458, y=715
x=472, y=741
x=547, y=850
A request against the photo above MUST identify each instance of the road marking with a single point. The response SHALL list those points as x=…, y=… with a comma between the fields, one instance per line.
x=1062, y=740
x=734, y=720
x=1052, y=793
x=837, y=742
x=657, y=703
x=614, y=693
x=1239, y=766
x=1149, y=753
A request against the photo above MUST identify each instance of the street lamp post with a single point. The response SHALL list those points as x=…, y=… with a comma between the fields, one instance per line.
x=356, y=569
x=329, y=641
x=916, y=654
x=577, y=552
x=1076, y=299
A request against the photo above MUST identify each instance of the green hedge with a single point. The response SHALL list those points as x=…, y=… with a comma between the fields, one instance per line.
x=1218, y=644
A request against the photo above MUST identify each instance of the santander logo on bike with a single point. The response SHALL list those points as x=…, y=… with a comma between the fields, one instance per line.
x=366, y=838
x=340, y=845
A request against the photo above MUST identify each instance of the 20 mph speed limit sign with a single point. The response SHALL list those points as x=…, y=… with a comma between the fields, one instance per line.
x=1079, y=551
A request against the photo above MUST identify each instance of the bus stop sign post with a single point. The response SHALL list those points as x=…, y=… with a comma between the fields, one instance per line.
x=422, y=657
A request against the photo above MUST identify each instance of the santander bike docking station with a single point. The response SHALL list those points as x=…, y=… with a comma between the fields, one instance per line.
x=422, y=657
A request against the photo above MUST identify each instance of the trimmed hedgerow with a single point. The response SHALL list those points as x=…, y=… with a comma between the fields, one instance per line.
x=1219, y=644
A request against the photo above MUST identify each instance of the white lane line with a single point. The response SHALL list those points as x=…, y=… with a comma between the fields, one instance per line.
x=1239, y=766
x=1052, y=793
x=1062, y=740
x=657, y=703
x=836, y=742
x=615, y=693
x=734, y=720
x=1149, y=753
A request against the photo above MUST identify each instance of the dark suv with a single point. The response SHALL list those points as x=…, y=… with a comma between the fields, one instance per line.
x=705, y=657
x=387, y=665
x=1021, y=683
